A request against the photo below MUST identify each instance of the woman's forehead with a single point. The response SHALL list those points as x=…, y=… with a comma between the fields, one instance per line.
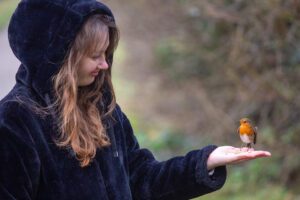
x=101, y=41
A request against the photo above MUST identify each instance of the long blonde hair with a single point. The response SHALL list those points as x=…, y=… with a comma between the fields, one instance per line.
x=81, y=110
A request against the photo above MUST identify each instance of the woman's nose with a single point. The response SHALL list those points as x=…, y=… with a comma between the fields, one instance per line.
x=103, y=64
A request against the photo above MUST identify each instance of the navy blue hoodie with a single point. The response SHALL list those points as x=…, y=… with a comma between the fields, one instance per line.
x=33, y=167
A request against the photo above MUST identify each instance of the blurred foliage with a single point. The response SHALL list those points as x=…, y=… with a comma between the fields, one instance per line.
x=6, y=9
x=238, y=187
x=252, y=181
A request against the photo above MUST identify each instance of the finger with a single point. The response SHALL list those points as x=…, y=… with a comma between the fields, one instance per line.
x=249, y=156
x=255, y=153
x=244, y=159
x=260, y=154
x=267, y=153
x=252, y=156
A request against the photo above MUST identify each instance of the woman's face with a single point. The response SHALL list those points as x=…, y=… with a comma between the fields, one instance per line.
x=91, y=65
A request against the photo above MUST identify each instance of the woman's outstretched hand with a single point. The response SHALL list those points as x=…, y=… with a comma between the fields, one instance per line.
x=225, y=155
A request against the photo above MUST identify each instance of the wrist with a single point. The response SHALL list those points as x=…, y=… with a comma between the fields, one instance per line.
x=213, y=161
x=210, y=164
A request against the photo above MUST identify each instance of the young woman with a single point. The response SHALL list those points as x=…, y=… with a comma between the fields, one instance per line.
x=62, y=135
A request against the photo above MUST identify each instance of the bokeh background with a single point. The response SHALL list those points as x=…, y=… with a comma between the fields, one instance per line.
x=186, y=71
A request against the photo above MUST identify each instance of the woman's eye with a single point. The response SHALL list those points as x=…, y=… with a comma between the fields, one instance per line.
x=97, y=56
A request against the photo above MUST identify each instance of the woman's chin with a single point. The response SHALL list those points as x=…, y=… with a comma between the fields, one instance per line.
x=86, y=82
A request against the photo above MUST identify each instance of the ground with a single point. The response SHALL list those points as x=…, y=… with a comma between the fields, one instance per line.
x=8, y=65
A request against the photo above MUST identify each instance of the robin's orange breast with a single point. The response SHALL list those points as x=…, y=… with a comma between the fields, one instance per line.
x=246, y=129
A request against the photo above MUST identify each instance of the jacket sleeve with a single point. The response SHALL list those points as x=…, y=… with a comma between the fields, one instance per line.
x=19, y=166
x=182, y=177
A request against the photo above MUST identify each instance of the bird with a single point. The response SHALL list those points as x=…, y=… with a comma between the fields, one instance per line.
x=247, y=132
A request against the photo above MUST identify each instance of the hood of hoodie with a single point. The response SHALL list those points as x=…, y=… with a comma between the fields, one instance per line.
x=40, y=33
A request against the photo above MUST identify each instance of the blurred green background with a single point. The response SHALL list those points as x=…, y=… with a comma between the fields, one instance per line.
x=186, y=71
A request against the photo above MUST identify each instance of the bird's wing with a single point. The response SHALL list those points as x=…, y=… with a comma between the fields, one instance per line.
x=255, y=135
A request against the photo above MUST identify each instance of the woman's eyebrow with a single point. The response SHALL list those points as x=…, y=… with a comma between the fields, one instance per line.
x=103, y=48
x=106, y=44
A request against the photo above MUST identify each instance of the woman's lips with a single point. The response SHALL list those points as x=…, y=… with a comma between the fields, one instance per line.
x=95, y=73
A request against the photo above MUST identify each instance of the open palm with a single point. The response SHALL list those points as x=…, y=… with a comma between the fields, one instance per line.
x=225, y=155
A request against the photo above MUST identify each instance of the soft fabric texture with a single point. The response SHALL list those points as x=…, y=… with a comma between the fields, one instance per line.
x=33, y=167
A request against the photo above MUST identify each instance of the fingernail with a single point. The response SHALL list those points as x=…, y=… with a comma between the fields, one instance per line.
x=268, y=153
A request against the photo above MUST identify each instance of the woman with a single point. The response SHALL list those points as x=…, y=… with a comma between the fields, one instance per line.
x=62, y=135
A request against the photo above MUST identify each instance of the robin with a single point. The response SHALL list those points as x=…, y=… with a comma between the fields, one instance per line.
x=248, y=133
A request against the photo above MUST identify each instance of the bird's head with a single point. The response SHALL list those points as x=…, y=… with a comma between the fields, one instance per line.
x=244, y=121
